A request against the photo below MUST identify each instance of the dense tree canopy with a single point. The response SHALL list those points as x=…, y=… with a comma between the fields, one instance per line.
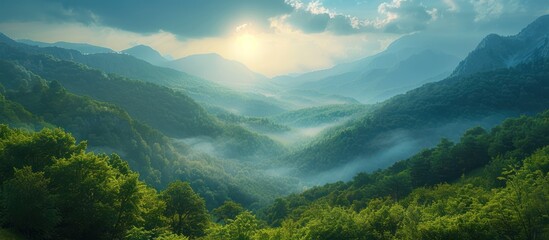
x=186, y=209
x=52, y=188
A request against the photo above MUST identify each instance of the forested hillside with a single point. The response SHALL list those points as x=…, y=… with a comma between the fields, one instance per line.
x=490, y=185
x=201, y=90
x=32, y=102
x=173, y=113
x=423, y=113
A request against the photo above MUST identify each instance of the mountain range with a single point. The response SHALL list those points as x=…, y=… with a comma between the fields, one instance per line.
x=146, y=53
x=231, y=87
x=406, y=123
x=407, y=63
x=164, y=134
x=84, y=48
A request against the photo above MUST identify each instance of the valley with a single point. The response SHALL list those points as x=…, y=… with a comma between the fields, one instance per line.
x=436, y=136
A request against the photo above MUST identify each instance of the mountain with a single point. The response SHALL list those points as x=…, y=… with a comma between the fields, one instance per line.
x=211, y=95
x=459, y=189
x=81, y=47
x=172, y=112
x=500, y=52
x=106, y=127
x=408, y=122
x=136, y=120
x=215, y=68
x=407, y=63
x=402, y=125
x=237, y=76
x=32, y=102
x=5, y=39
x=205, y=92
x=260, y=100
x=382, y=83
x=146, y=53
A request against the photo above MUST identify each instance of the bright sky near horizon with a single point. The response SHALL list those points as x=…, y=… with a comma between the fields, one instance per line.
x=271, y=37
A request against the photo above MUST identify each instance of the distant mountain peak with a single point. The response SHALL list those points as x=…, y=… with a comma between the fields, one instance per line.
x=146, y=53
x=496, y=51
x=6, y=39
x=212, y=54
x=538, y=28
x=216, y=68
x=140, y=47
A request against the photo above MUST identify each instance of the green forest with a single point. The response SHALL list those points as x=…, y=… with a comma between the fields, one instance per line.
x=489, y=185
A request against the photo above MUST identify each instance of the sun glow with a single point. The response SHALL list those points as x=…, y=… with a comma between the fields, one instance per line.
x=246, y=46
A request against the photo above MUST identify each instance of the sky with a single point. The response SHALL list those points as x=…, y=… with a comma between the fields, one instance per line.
x=272, y=37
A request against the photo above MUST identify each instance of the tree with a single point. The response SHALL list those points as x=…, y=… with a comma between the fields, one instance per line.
x=127, y=204
x=37, y=150
x=277, y=212
x=28, y=205
x=243, y=227
x=88, y=190
x=186, y=210
x=521, y=209
x=229, y=210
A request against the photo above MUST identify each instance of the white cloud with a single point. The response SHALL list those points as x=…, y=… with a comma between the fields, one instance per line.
x=316, y=7
x=241, y=28
x=487, y=9
x=296, y=4
x=451, y=5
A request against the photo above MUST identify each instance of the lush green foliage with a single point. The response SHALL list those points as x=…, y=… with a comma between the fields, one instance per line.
x=52, y=188
x=16, y=115
x=28, y=204
x=228, y=211
x=447, y=162
x=503, y=195
x=186, y=209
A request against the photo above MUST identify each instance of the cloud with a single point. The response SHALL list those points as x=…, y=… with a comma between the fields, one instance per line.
x=308, y=22
x=213, y=18
x=487, y=9
x=313, y=17
x=404, y=16
x=186, y=19
x=397, y=16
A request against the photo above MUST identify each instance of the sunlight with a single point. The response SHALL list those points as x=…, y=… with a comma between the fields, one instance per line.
x=246, y=46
